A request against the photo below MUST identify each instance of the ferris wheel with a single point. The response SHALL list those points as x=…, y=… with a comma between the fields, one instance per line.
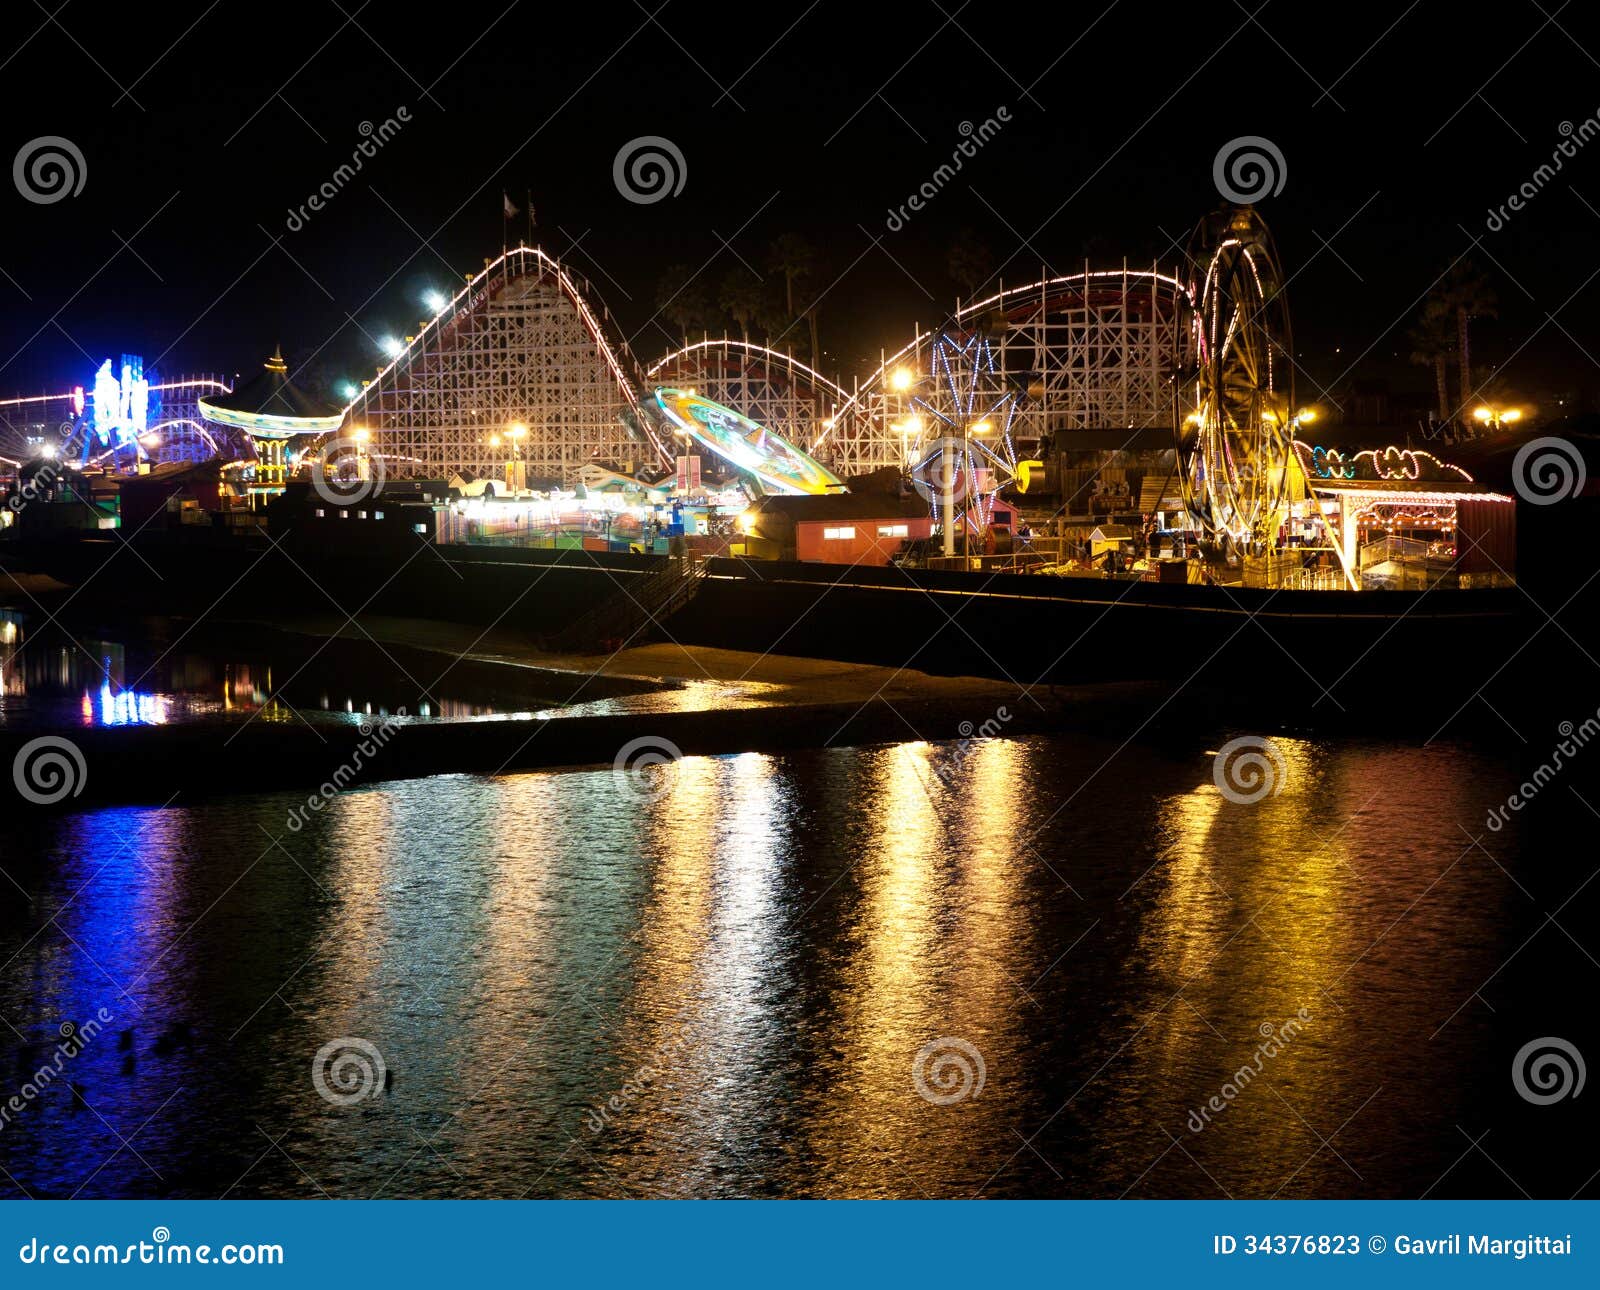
x=959, y=439
x=1236, y=443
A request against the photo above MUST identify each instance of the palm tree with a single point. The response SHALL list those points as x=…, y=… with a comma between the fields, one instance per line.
x=794, y=257
x=1433, y=345
x=683, y=299
x=969, y=262
x=742, y=296
x=1465, y=294
x=771, y=316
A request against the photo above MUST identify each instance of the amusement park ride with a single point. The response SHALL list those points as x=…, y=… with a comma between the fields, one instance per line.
x=1236, y=457
x=122, y=420
x=1260, y=498
x=773, y=463
x=1197, y=363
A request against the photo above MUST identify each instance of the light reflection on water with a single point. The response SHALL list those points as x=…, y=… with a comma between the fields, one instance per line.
x=722, y=991
x=58, y=679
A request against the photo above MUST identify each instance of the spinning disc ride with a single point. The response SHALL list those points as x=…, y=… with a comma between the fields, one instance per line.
x=1236, y=457
x=773, y=463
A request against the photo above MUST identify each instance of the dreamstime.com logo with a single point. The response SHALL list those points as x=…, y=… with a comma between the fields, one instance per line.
x=1274, y=1039
x=348, y=1070
x=1573, y=740
x=664, y=1059
x=1248, y=769
x=159, y=1249
x=648, y=169
x=946, y=760
x=373, y=137
x=928, y=477
x=1573, y=137
x=343, y=473
x=74, y=1039
x=639, y=767
x=1249, y=168
x=49, y=169
x=948, y=1070
x=1546, y=1070
x=43, y=480
x=48, y=770
x=373, y=737
x=1548, y=470
x=973, y=137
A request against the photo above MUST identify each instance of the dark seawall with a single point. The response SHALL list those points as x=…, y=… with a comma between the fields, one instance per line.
x=180, y=763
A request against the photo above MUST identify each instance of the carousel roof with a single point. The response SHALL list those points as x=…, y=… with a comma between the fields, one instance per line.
x=1412, y=489
x=271, y=406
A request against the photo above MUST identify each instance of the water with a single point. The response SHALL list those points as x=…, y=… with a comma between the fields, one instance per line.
x=723, y=991
x=159, y=671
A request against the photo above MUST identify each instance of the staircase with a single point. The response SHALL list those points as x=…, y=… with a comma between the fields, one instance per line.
x=1157, y=494
x=628, y=615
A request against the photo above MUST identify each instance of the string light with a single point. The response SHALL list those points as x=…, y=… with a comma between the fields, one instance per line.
x=1392, y=462
x=750, y=347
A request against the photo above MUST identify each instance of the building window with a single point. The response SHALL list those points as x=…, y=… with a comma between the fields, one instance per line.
x=361, y=515
x=320, y=512
x=420, y=528
x=844, y=533
x=894, y=530
x=377, y=515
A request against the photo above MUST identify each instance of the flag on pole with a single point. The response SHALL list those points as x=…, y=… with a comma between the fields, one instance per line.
x=510, y=209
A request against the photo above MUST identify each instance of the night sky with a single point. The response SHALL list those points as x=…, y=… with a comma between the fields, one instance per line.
x=202, y=128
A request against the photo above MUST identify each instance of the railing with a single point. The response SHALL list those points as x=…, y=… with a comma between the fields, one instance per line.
x=1409, y=575
x=1315, y=580
x=1392, y=547
x=1395, y=563
x=1024, y=561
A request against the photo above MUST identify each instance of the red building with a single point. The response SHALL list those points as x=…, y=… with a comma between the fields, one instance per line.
x=850, y=528
x=840, y=528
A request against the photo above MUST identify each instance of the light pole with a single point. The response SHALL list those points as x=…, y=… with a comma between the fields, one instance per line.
x=968, y=428
x=949, y=469
x=1495, y=418
x=519, y=484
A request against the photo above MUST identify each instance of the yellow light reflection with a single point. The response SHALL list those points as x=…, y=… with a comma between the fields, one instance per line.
x=940, y=938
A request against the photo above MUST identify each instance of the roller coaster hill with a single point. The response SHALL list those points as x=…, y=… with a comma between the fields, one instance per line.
x=515, y=436
x=1144, y=422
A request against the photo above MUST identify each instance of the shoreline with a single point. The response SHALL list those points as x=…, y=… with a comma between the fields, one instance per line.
x=145, y=764
x=696, y=700
x=699, y=700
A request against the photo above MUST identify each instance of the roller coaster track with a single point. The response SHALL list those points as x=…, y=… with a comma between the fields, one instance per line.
x=527, y=343
x=1097, y=350
x=521, y=345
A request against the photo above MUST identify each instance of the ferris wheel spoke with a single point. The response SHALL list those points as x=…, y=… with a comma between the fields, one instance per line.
x=1242, y=442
